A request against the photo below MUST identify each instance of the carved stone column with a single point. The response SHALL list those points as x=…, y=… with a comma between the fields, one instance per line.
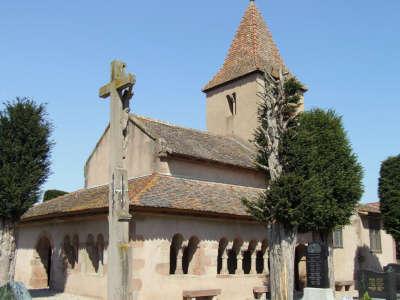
x=224, y=259
x=253, y=259
x=179, y=258
x=239, y=260
x=265, y=258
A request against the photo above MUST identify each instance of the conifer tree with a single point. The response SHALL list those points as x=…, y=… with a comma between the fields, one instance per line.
x=280, y=101
x=51, y=194
x=24, y=166
x=317, y=152
x=316, y=189
x=389, y=195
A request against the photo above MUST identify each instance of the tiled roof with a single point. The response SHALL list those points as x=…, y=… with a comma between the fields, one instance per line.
x=199, y=144
x=252, y=49
x=157, y=192
x=373, y=207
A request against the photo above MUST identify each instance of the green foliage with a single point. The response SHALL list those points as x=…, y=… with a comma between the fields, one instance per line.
x=319, y=152
x=51, y=194
x=24, y=155
x=321, y=180
x=389, y=195
x=366, y=296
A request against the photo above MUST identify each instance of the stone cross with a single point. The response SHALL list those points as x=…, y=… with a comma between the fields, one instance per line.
x=120, y=91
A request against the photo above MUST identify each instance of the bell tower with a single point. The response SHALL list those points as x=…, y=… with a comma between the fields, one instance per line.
x=232, y=94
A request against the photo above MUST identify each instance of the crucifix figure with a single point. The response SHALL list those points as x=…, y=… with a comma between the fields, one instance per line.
x=120, y=91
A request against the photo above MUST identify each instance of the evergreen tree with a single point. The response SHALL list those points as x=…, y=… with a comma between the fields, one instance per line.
x=51, y=194
x=328, y=176
x=320, y=183
x=389, y=195
x=24, y=166
x=280, y=102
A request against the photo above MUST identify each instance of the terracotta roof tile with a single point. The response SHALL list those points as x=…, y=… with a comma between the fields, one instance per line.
x=373, y=207
x=252, y=49
x=199, y=144
x=154, y=191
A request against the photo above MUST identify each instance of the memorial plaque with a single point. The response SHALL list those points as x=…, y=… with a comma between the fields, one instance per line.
x=379, y=285
x=317, y=266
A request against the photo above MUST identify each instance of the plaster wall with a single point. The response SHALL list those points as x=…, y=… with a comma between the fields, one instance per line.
x=356, y=253
x=152, y=255
x=215, y=173
x=82, y=279
x=220, y=120
x=151, y=237
x=140, y=159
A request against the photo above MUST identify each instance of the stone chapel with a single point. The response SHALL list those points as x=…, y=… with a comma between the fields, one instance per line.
x=190, y=235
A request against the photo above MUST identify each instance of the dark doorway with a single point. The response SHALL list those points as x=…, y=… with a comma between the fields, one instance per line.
x=43, y=271
x=300, y=270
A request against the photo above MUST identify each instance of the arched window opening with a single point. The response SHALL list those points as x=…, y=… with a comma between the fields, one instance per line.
x=75, y=245
x=235, y=265
x=262, y=262
x=100, y=245
x=249, y=258
x=68, y=252
x=91, y=250
x=175, y=250
x=42, y=272
x=222, y=259
x=188, y=253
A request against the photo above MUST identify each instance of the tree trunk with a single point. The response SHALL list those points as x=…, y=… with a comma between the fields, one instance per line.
x=282, y=243
x=331, y=270
x=7, y=250
x=326, y=238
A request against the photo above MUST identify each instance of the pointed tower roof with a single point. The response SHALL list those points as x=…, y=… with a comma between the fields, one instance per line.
x=252, y=49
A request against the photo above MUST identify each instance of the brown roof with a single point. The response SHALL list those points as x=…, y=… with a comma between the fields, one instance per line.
x=199, y=144
x=155, y=191
x=252, y=49
x=373, y=207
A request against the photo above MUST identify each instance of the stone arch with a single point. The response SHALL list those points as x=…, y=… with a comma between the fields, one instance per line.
x=251, y=249
x=75, y=245
x=189, y=252
x=92, y=253
x=223, y=243
x=100, y=246
x=233, y=253
x=261, y=261
x=300, y=269
x=42, y=264
x=176, y=244
x=68, y=252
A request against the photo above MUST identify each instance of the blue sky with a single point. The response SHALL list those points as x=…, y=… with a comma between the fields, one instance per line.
x=58, y=52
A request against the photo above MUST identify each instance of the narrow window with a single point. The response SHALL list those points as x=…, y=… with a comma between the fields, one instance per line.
x=338, y=238
x=232, y=103
x=375, y=244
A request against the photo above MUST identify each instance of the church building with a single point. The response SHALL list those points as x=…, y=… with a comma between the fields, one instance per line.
x=190, y=235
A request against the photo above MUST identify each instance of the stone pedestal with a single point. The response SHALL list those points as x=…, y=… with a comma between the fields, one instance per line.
x=316, y=293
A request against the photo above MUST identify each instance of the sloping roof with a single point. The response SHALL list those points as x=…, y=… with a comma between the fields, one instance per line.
x=199, y=144
x=154, y=192
x=373, y=207
x=252, y=49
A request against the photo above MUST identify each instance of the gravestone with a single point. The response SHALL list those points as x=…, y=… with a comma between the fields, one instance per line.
x=317, y=266
x=379, y=285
